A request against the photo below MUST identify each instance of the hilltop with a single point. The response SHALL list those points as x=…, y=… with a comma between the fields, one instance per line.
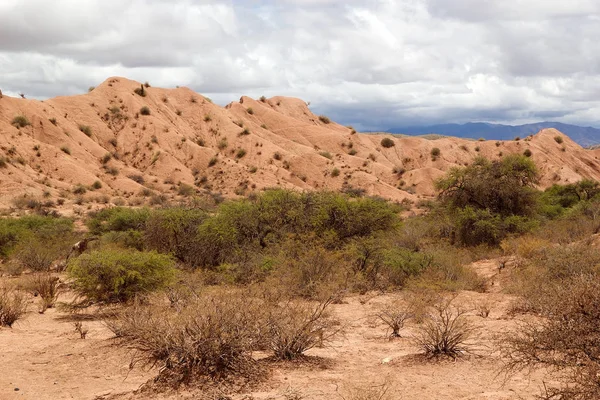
x=100, y=146
x=585, y=136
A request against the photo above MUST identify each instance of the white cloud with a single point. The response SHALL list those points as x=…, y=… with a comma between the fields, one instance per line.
x=372, y=64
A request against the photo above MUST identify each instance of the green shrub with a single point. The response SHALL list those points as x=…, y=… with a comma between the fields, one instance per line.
x=86, y=129
x=18, y=230
x=240, y=153
x=20, y=121
x=558, y=139
x=324, y=119
x=435, y=152
x=96, y=185
x=66, y=150
x=173, y=231
x=527, y=153
x=335, y=172
x=326, y=154
x=145, y=110
x=140, y=91
x=79, y=189
x=387, y=143
x=119, y=219
x=185, y=190
x=111, y=276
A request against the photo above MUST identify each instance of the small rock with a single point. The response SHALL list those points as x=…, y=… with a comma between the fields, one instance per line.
x=387, y=360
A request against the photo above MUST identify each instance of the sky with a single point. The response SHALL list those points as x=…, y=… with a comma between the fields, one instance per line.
x=373, y=64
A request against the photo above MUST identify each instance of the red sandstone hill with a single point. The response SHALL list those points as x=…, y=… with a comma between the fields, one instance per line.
x=103, y=136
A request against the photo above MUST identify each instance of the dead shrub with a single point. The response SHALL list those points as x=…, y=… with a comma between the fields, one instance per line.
x=368, y=392
x=45, y=286
x=565, y=341
x=296, y=326
x=420, y=301
x=13, y=305
x=446, y=332
x=38, y=254
x=394, y=316
x=211, y=338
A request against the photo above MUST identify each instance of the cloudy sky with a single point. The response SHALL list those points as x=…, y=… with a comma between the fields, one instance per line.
x=373, y=64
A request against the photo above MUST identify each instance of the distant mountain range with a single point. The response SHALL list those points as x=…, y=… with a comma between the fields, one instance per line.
x=585, y=136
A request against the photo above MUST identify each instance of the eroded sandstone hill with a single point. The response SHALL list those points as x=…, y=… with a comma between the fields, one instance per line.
x=161, y=139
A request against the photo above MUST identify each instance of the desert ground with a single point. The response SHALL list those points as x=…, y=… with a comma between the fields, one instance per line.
x=44, y=357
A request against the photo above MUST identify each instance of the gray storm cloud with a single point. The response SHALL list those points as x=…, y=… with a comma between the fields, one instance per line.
x=371, y=64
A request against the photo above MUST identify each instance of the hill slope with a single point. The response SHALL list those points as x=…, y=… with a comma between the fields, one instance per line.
x=246, y=146
x=585, y=136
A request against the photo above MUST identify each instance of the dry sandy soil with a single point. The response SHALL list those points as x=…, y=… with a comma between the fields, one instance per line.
x=43, y=357
x=185, y=130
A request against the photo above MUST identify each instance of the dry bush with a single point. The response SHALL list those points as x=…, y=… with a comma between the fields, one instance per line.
x=307, y=269
x=295, y=326
x=13, y=305
x=45, y=286
x=483, y=308
x=394, y=316
x=446, y=332
x=370, y=392
x=566, y=340
x=38, y=254
x=420, y=301
x=211, y=338
x=551, y=266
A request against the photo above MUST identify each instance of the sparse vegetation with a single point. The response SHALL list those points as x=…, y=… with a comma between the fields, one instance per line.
x=145, y=110
x=66, y=150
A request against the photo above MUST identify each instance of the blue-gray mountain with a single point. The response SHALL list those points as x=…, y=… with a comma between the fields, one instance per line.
x=585, y=136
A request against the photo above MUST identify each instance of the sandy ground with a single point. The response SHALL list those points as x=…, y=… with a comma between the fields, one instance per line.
x=43, y=357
